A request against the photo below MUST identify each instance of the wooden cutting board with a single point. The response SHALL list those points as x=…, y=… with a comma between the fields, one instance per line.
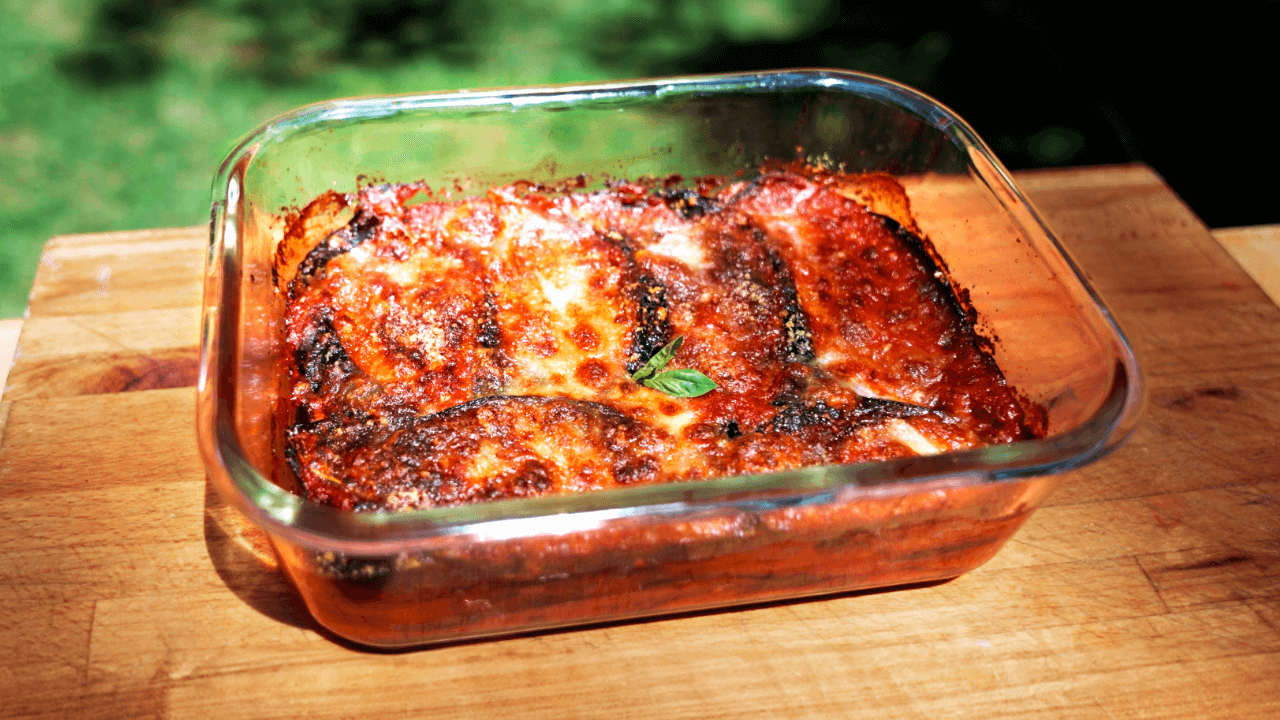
x=1148, y=587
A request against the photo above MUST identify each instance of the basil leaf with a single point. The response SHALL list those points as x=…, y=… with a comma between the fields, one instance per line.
x=684, y=382
x=659, y=359
x=681, y=383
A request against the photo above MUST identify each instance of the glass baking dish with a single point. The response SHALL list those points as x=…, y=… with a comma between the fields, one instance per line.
x=402, y=579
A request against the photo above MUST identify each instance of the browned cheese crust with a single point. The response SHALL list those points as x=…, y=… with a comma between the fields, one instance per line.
x=450, y=352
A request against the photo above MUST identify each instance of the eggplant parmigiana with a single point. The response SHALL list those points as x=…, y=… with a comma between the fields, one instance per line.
x=446, y=352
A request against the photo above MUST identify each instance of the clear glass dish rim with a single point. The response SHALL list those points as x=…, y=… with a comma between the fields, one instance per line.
x=284, y=514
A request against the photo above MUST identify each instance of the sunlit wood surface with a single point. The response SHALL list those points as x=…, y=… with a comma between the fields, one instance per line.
x=1148, y=587
x=1257, y=249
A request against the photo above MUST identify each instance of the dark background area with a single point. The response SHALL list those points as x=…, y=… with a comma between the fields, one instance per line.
x=1056, y=84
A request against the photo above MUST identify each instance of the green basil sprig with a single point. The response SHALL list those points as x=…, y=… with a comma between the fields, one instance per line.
x=676, y=383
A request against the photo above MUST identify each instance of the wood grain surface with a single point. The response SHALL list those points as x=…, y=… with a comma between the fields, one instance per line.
x=1257, y=249
x=1149, y=586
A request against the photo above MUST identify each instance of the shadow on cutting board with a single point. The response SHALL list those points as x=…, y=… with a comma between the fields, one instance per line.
x=246, y=563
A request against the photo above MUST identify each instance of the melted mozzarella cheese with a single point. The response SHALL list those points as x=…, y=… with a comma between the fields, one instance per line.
x=679, y=244
x=674, y=424
x=902, y=431
x=565, y=285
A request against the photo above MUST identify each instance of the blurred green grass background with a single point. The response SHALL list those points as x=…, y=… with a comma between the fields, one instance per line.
x=114, y=114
